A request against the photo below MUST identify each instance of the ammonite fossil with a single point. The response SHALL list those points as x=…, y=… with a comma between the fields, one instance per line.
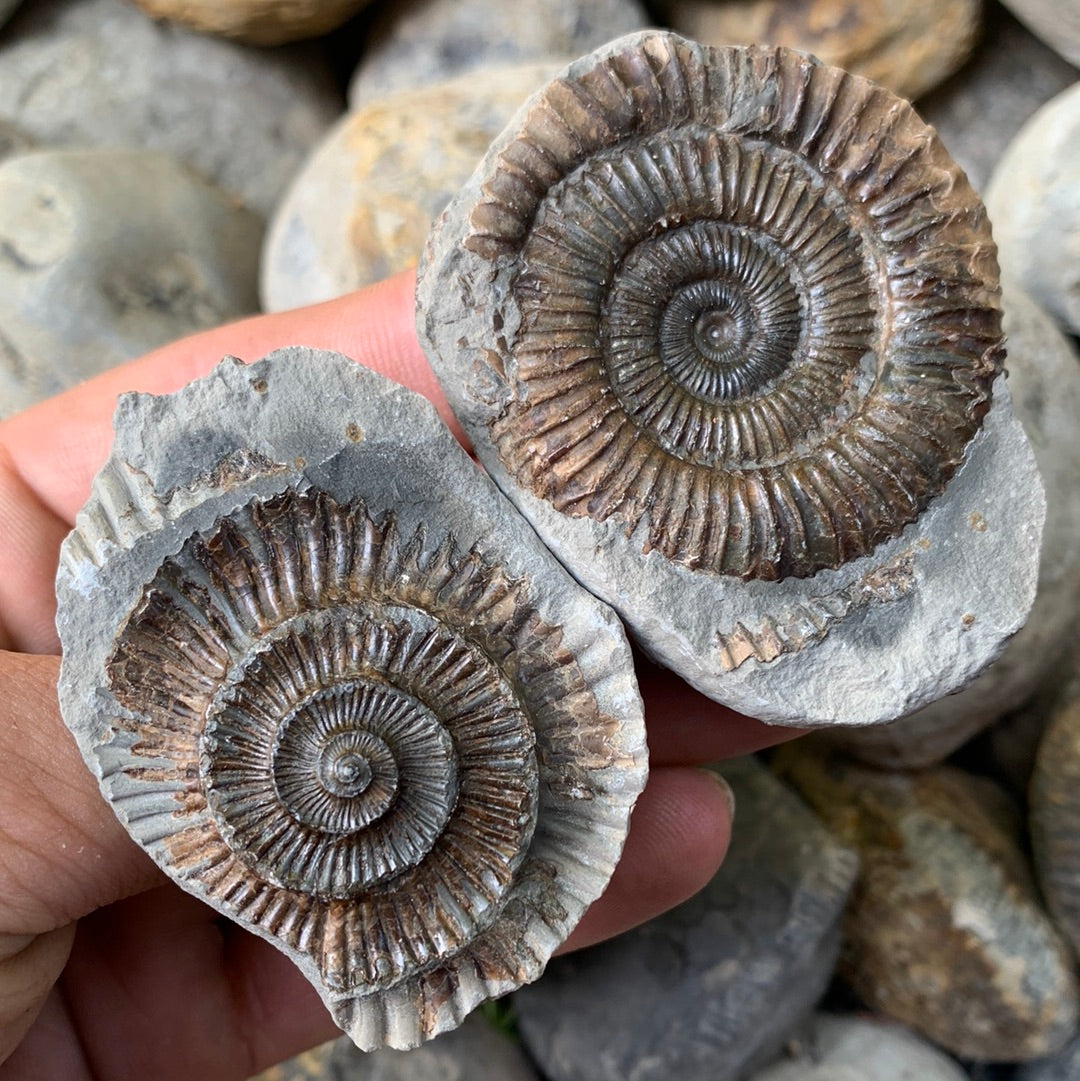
x=717, y=314
x=333, y=683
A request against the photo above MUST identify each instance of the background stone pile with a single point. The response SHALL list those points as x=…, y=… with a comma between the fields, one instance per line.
x=881, y=915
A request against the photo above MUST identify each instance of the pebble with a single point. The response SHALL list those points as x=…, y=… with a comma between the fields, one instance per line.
x=81, y=73
x=1057, y=23
x=1055, y=812
x=256, y=21
x=79, y=294
x=979, y=110
x=1044, y=381
x=428, y=41
x=841, y=1048
x=1034, y=202
x=475, y=1052
x=715, y=986
x=910, y=46
x=944, y=932
x=361, y=208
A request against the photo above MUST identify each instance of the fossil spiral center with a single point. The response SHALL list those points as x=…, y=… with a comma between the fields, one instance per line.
x=347, y=775
x=717, y=333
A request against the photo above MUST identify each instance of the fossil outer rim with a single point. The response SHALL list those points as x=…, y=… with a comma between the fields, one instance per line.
x=310, y=421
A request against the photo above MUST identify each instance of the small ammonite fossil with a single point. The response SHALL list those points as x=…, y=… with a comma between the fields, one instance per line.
x=727, y=311
x=333, y=684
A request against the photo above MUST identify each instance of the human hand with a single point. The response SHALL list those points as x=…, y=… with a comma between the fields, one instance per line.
x=108, y=970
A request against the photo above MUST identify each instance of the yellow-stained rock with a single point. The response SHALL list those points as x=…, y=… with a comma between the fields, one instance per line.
x=943, y=931
x=907, y=45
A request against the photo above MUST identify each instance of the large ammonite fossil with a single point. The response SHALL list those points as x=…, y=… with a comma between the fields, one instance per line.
x=718, y=313
x=333, y=683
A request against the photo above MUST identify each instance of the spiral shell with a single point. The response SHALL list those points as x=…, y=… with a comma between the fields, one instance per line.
x=738, y=303
x=370, y=735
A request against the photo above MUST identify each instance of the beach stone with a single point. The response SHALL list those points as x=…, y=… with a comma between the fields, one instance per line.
x=428, y=41
x=715, y=986
x=839, y=1048
x=980, y=108
x=910, y=46
x=1044, y=379
x=1064, y=1066
x=79, y=294
x=256, y=21
x=1034, y=202
x=83, y=73
x=361, y=208
x=1055, y=812
x=1056, y=23
x=944, y=932
x=475, y=1052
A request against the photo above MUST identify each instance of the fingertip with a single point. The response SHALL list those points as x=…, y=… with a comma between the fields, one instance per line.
x=679, y=835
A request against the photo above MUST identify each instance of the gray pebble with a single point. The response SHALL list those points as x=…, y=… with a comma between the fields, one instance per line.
x=106, y=254
x=715, y=986
x=100, y=73
x=362, y=206
x=427, y=41
x=1044, y=379
x=1009, y=76
x=1034, y=202
x=1057, y=22
x=841, y=1048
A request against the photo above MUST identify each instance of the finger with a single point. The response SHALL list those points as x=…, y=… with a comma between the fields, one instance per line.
x=678, y=838
x=64, y=851
x=50, y=453
x=686, y=728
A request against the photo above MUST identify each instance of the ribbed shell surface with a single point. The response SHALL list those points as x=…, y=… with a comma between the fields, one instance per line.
x=730, y=297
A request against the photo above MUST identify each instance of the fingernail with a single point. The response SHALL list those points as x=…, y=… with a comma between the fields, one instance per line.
x=725, y=788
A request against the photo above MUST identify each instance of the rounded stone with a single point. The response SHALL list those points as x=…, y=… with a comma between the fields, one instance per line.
x=475, y=1052
x=1044, y=379
x=945, y=931
x=1034, y=202
x=1056, y=23
x=713, y=987
x=79, y=293
x=256, y=21
x=839, y=1048
x=362, y=206
x=429, y=41
x=910, y=46
x=979, y=109
x=86, y=73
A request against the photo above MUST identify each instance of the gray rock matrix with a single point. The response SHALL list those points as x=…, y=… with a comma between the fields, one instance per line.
x=1044, y=381
x=100, y=73
x=79, y=295
x=713, y=987
x=426, y=41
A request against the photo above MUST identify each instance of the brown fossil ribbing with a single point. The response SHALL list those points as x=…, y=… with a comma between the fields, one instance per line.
x=369, y=738
x=753, y=307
